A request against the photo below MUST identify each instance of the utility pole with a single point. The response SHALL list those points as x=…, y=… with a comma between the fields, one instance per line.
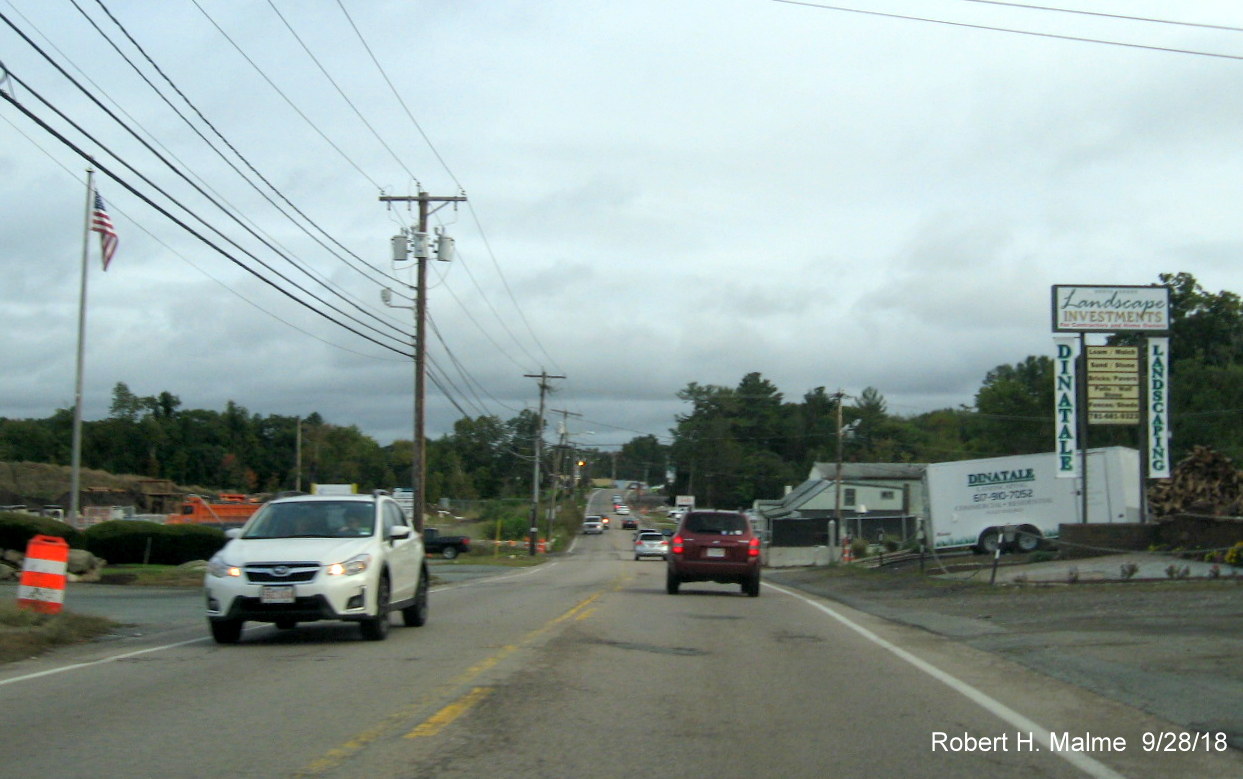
x=837, y=488
x=419, y=467
x=297, y=456
x=538, y=446
x=562, y=445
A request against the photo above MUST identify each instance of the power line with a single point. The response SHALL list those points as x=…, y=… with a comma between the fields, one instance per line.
x=990, y=28
x=204, y=239
x=185, y=178
x=364, y=265
x=1100, y=14
x=337, y=87
x=397, y=95
x=470, y=207
x=285, y=97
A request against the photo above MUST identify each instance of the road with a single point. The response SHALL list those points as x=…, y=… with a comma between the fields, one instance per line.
x=583, y=666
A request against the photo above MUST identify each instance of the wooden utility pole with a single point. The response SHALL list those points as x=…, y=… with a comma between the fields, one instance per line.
x=533, y=535
x=419, y=467
x=837, y=488
x=558, y=461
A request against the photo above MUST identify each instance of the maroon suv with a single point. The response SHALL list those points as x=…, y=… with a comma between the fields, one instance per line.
x=714, y=546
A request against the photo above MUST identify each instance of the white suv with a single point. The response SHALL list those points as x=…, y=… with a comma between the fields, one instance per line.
x=313, y=557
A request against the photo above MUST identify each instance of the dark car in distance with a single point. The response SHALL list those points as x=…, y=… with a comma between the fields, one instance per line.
x=714, y=546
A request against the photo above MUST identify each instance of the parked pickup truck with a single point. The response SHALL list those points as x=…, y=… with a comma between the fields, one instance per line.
x=447, y=546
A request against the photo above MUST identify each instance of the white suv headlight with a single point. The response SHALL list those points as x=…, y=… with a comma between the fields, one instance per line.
x=351, y=567
x=219, y=568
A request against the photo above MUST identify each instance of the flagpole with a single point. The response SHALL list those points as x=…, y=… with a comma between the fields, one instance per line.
x=75, y=468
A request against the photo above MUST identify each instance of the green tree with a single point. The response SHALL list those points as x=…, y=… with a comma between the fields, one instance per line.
x=1015, y=409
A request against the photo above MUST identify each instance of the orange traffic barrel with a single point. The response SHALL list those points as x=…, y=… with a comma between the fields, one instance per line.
x=42, y=586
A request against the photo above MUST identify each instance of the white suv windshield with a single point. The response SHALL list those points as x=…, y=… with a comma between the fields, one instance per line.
x=313, y=519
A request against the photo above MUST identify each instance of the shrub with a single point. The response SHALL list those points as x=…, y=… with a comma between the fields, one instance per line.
x=1234, y=555
x=859, y=548
x=16, y=530
x=134, y=541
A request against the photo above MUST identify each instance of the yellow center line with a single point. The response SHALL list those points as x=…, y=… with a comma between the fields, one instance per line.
x=450, y=712
x=445, y=717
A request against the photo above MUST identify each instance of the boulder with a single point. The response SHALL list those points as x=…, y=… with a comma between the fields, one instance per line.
x=82, y=561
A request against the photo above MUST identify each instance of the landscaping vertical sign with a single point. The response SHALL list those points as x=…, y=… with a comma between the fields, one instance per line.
x=1113, y=373
x=1158, y=408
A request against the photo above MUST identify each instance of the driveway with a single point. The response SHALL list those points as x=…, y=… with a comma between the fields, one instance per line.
x=1169, y=647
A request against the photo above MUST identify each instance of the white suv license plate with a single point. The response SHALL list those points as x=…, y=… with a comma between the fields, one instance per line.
x=277, y=595
x=714, y=552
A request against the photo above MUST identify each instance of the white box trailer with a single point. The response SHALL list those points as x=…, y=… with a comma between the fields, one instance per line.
x=1020, y=499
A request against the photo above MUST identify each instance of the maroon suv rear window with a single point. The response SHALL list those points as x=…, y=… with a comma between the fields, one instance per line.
x=723, y=523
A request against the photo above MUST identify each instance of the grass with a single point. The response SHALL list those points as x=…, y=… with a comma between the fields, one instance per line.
x=25, y=633
x=505, y=559
x=153, y=575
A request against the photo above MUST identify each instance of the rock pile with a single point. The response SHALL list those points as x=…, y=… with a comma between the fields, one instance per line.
x=83, y=566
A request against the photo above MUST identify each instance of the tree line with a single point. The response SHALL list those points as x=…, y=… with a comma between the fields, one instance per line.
x=731, y=445
x=736, y=444
x=237, y=451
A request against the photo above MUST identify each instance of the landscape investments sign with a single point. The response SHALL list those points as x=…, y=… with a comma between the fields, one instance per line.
x=1065, y=395
x=1082, y=308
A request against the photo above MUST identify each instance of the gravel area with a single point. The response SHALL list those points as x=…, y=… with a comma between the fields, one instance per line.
x=1173, y=648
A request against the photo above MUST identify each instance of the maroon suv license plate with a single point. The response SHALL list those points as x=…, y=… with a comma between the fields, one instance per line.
x=277, y=595
x=714, y=551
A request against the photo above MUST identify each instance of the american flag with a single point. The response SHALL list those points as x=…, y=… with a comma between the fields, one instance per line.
x=102, y=224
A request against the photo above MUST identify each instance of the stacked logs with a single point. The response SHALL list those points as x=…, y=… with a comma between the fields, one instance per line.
x=1206, y=482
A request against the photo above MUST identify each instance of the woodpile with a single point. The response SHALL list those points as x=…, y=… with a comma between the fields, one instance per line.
x=1206, y=482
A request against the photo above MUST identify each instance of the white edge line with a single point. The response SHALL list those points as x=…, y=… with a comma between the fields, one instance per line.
x=101, y=661
x=148, y=650
x=992, y=705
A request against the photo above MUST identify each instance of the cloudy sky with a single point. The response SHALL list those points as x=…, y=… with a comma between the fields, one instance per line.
x=660, y=192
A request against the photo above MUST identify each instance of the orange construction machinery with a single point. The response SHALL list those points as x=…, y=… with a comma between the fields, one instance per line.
x=229, y=509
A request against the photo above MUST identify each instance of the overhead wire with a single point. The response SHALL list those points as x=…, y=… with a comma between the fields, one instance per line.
x=359, y=266
x=170, y=198
x=121, y=181
x=217, y=199
x=469, y=206
x=286, y=98
x=307, y=50
x=181, y=174
x=1101, y=14
x=117, y=210
x=1011, y=30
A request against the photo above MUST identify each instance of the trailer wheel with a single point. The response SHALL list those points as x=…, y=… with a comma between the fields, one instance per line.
x=1027, y=539
x=989, y=541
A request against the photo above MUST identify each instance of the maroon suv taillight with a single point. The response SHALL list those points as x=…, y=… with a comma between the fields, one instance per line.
x=676, y=545
x=753, y=548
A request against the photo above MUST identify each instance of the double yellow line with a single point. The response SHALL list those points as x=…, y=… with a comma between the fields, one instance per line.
x=462, y=704
x=446, y=716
